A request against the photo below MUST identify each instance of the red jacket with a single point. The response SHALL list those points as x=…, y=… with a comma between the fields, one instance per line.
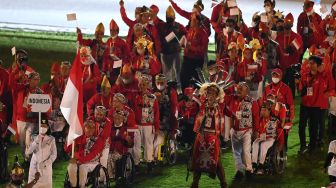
x=98, y=100
x=218, y=18
x=147, y=111
x=290, y=54
x=326, y=90
x=283, y=93
x=197, y=46
x=272, y=128
x=154, y=65
x=311, y=37
x=188, y=109
x=246, y=70
x=247, y=109
x=91, y=79
x=217, y=125
x=310, y=89
x=187, y=15
x=130, y=23
x=119, y=139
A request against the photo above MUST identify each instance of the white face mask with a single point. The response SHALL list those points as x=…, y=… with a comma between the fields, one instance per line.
x=271, y=100
x=268, y=9
x=253, y=24
x=160, y=87
x=275, y=80
x=331, y=33
x=44, y=130
x=151, y=22
x=51, y=77
x=212, y=72
x=120, y=124
x=126, y=81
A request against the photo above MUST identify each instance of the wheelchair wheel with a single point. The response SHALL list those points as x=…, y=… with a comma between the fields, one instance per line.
x=280, y=160
x=171, y=151
x=101, y=177
x=128, y=169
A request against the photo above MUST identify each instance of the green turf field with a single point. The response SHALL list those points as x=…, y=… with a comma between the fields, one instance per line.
x=46, y=48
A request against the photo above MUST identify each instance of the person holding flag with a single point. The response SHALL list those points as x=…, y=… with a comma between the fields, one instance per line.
x=97, y=46
x=291, y=45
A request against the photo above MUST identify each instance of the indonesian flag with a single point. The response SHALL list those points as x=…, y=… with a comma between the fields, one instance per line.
x=72, y=101
x=297, y=44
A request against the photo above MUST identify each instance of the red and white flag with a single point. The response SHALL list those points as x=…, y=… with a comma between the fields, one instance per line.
x=296, y=43
x=72, y=101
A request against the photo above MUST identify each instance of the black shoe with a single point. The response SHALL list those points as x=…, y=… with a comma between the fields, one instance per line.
x=137, y=169
x=255, y=166
x=149, y=167
x=303, y=149
x=238, y=176
x=248, y=174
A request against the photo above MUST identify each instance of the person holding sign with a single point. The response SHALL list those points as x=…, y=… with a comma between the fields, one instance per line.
x=291, y=45
x=244, y=112
x=118, y=53
x=44, y=153
x=170, y=32
x=97, y=46
x=25, y=119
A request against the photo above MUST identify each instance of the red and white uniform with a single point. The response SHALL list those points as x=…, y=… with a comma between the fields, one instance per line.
x=129, y=91
x=309, y=37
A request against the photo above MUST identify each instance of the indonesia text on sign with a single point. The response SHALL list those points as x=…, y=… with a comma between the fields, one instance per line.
x=39, y=102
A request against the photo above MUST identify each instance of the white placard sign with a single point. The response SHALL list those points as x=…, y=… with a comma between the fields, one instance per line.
x=39, y=102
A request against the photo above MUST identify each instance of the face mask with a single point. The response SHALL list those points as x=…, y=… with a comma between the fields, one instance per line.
x=170, y=20
x=160, y=87
x=114, y=36
x=212, y=72
x=275, y=80
x=52, y=77
x=268, y=9
x=17, y=182
x=151, y=22
x=141, y=51
x=253, y=24
x=44, y=130
x=118, y=125
x=288, y=27
x=280, y=28
x=271, y=100
x=331, y=33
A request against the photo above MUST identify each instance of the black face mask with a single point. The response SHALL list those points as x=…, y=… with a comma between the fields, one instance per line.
x=170, y=20
x=280, y=28
x=17, y=182
x=288, y=27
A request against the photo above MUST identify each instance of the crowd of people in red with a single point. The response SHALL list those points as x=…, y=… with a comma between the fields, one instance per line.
x=139, y=91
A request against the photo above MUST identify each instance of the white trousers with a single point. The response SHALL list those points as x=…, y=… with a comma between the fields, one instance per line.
x=227, y=126
x=264, y=145
x=84, y=169
x=104, y=157
x=159, y=140
x=332, y=170
x=147, y=141
x=241, y=149
x=136, y=150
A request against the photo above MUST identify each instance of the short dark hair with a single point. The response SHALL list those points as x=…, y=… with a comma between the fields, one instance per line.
x=270, y=1
x=316, y=59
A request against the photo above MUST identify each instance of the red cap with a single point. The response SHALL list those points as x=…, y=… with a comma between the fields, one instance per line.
x=277, y=71
x=114, y=25
x=289, y=18
x=154, y=9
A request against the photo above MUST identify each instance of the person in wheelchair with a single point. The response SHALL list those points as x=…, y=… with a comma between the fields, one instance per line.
x=167, y=98
x=268, y=131
x=188, y=109
x=121, y=141
x=87, y=156
x=103, y=128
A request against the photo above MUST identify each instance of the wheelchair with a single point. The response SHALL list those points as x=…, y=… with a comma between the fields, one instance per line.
x=98, y=178
x=125, y=171
x=276, y=160
x=168, y=150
